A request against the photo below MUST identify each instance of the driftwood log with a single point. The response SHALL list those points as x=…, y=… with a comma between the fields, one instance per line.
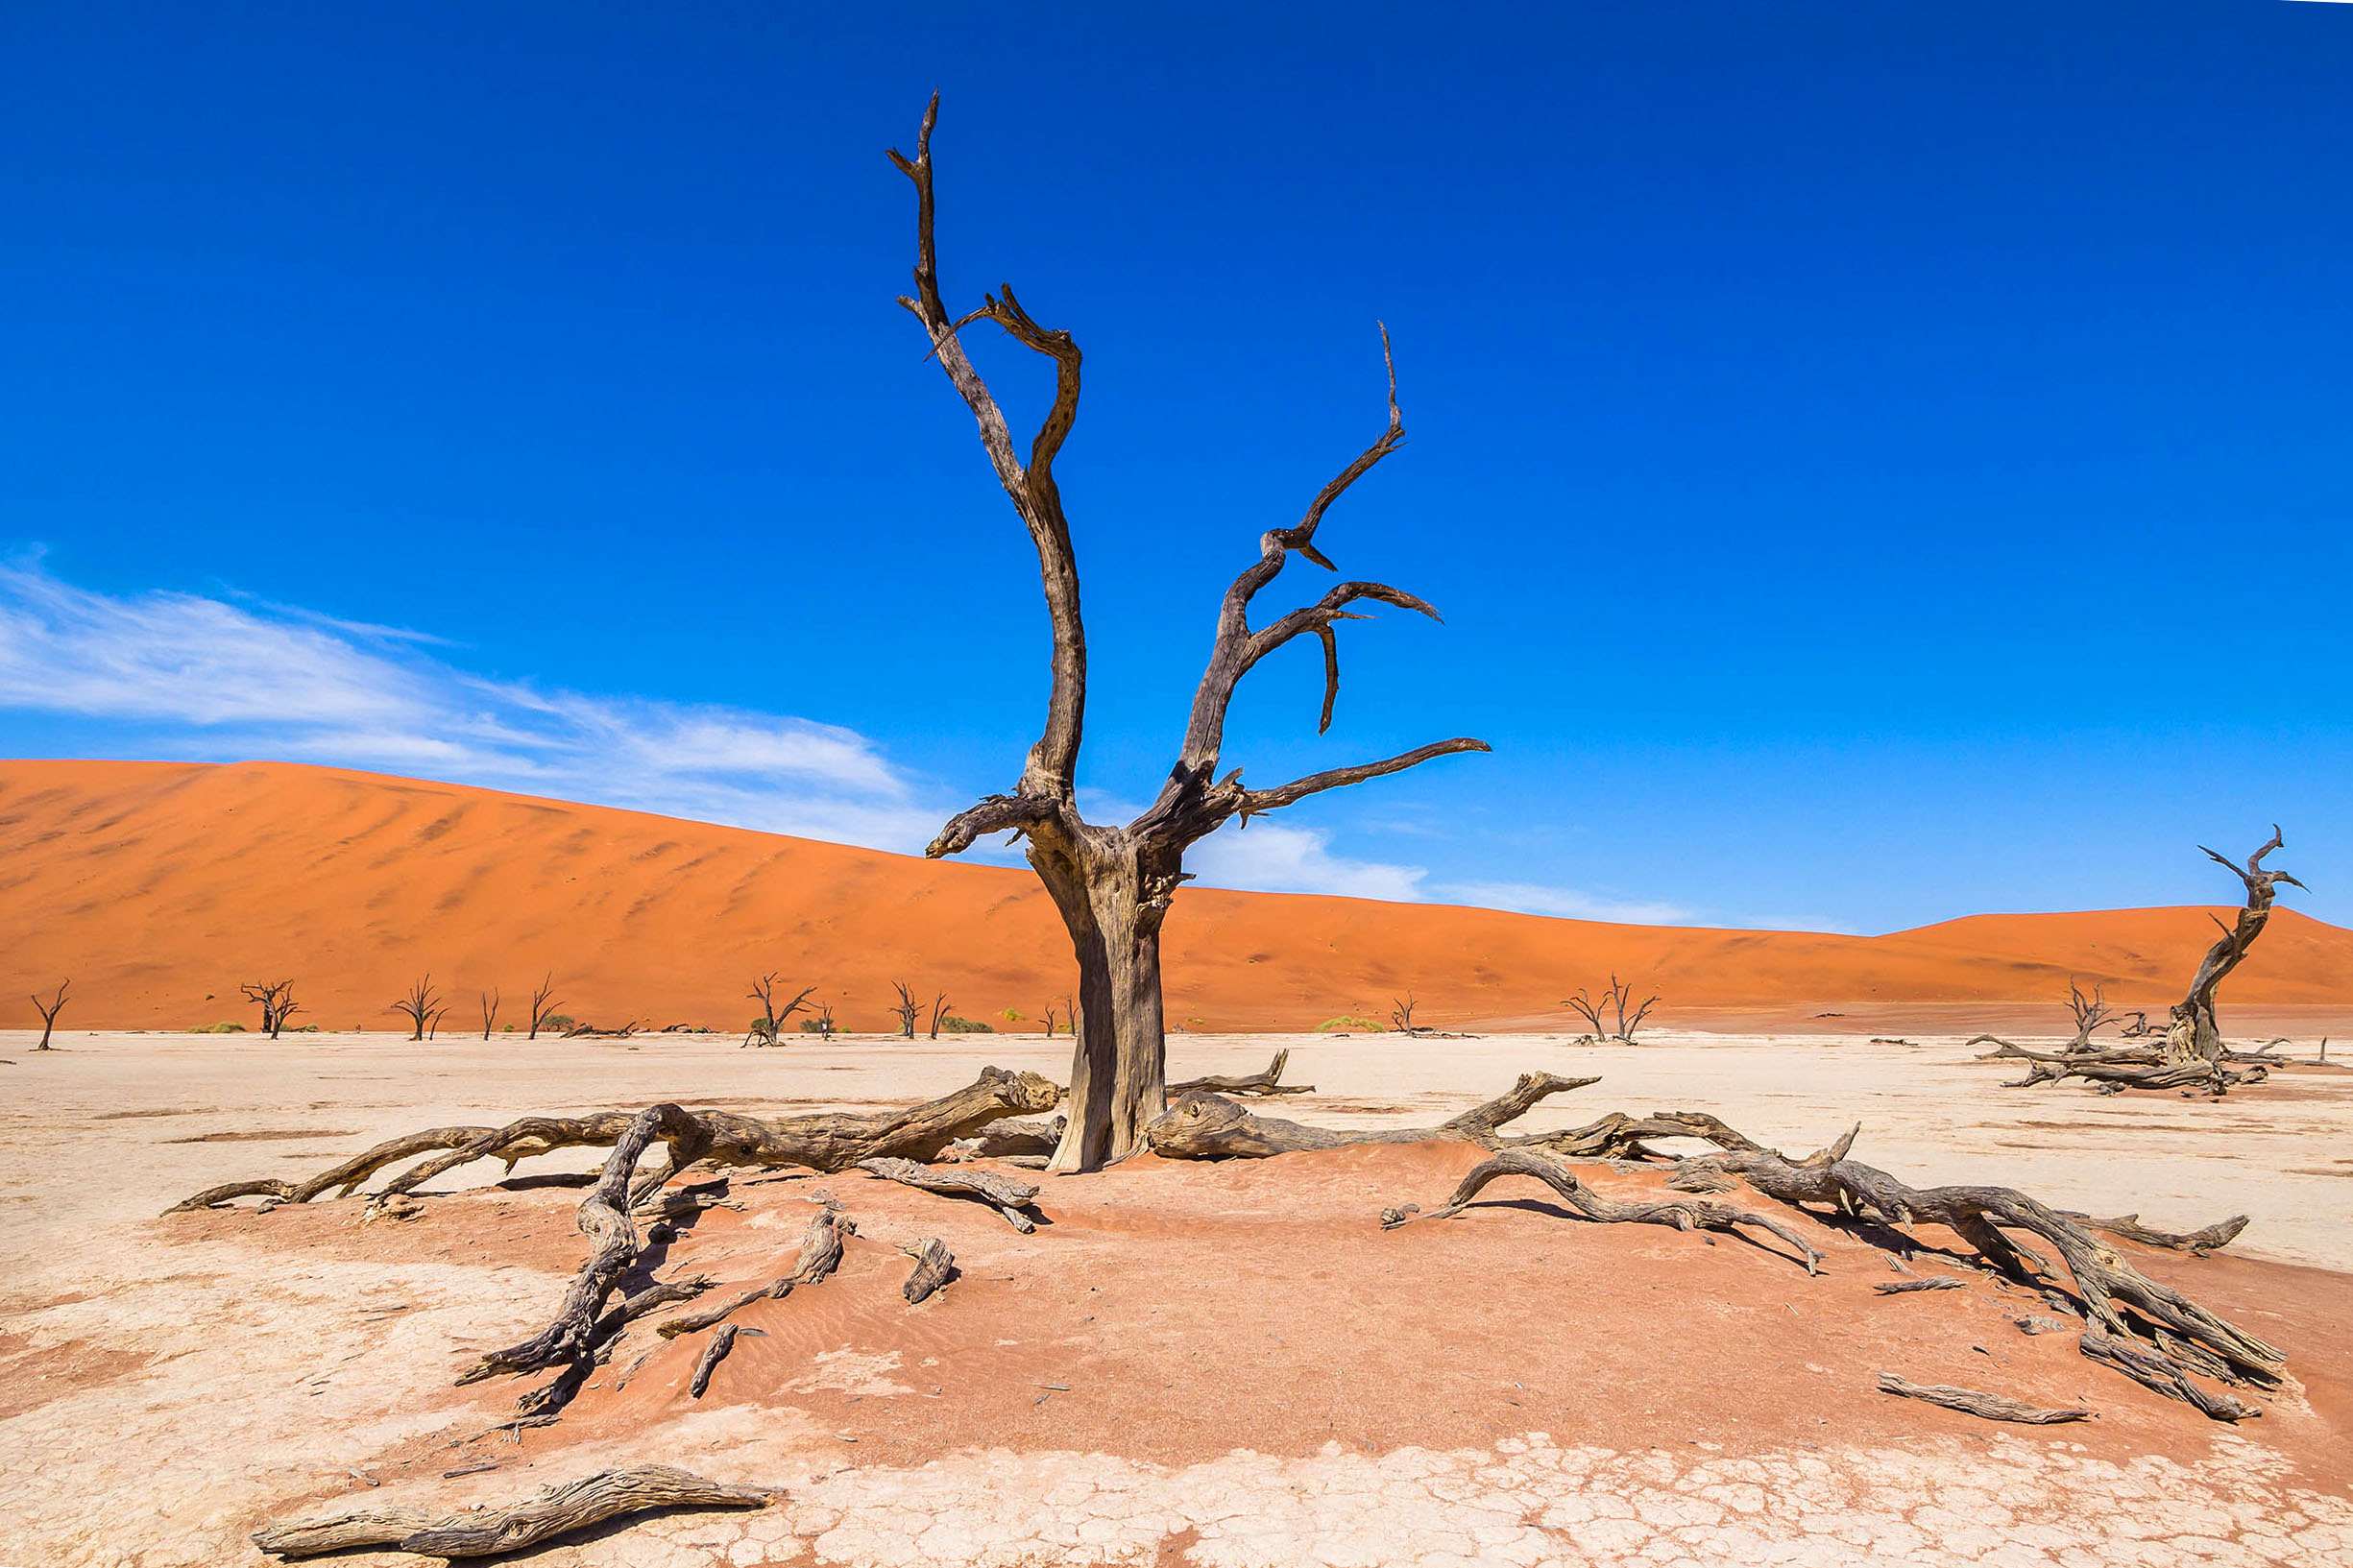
x=1970, y=1402
x=1681, y=1213
x=1013, y=1140
x=1206, y=1126
x=827, y=1141
x=1005, y=1195
x=1265, y=1084
x=2197, y=1242
x=481, y=1533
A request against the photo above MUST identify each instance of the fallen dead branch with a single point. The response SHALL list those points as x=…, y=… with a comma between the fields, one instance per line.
x=1004, y=1193
x=1970, y=1402
x=821, y=1246
x=2197, y=1242
x=481, y=1533
x=1905, y=1287
x=1681, y=1213
x=1265, y=1084
x=827, y=1141
x=935, y=1267
x=714, y=1353
x=1206, y=1126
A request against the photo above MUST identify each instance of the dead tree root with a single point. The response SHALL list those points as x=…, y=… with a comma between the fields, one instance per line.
x=1008, y=1197
x=821, y=1245
x=481, y=1533
x=1970, y=1402
x=1681, y=1213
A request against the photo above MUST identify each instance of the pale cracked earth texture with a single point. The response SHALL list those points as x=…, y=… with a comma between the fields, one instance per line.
x=1256, y=1374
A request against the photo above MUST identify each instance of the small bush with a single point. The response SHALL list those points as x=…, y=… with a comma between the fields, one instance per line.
x=1010, y=1016
x=953, y=1024
x=506, y=1028
x=559, y=1023
x=218, y=1028
x=809, y=1025
x=1349, y=1024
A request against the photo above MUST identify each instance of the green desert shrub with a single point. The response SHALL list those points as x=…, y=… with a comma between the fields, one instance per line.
x=953, y=1024
x=223, y=1027
x=1349, y=1023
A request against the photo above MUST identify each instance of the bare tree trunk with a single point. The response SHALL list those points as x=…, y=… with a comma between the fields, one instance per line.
x=2196, y=1034
x=1118, y=1057
x=50, y=1010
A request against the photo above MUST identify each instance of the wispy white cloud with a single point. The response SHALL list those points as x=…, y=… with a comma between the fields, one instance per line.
x=1566, y=902
x=201, y=677
x=1277, y=857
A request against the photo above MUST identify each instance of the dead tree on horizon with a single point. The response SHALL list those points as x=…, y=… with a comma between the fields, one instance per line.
x=908, y=1010
x=490, y=1010
x=939, y=1010
x=1590, y=1008
x=276, y=1001
x=1112, y=884
x=1401, y=1015
x=422, y=1008
x=543, y=1005
x=767, y=1028
x=50, y=1010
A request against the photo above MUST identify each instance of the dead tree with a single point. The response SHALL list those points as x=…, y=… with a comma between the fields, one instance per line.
x=1401, y=1015
x=1266, y=1084
x=1050, y=1020
x=49, y=1011
x=939, y=1010
x=276, y=1000
x=490, y=1010
x=767, y=1029
x=1112, y=884
x=908, y=1010
x=821, y=1013
x=543, y=1005
x=422, y=1008
x=2090, y=1012
x=2194, y=1035
x=1606, y=1015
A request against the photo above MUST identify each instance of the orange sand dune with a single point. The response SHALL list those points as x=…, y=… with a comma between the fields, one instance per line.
x=161, y=886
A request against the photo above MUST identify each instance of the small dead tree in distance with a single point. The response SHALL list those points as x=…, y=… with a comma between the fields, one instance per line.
x=908, y=1010
x=50, y=1010
x=766, y=1030
x=821, y=1013
x=490, y=1010
x=1051, y=1017
x=1112, y=884
x=1613, y=1000
x=421, y=1006
x=543, y=1005
x=1401, y=1015
x=276, y=999
x=939, y=1009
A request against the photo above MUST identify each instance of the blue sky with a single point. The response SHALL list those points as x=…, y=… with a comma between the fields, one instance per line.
x=1879, y=463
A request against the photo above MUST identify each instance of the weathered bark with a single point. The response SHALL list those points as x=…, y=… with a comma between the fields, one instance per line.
x=482, y=1532
x=1679, y=1214
x=1202, y=1126
x=2196, y=1034
x=934, y=1267
x=1970, y=1402
x=1112, y=885
x=827, y=1141
x=1266, y=1084
x=2161, y=1373
x=1905, y=1287
x=1004, y=1193
x=1019, y=1142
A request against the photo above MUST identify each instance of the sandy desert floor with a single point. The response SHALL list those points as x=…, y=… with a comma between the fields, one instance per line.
x=1213, y=1365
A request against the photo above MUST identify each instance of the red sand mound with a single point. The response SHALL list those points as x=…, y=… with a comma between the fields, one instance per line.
x=160, y=887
